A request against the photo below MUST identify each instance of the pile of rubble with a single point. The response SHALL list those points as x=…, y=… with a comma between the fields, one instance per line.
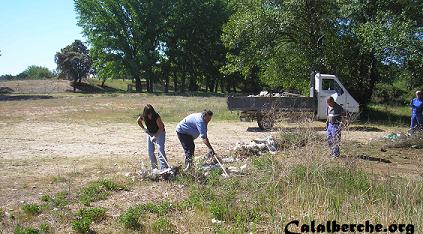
x=207, y=163
x=270, y=94
x=256, y=147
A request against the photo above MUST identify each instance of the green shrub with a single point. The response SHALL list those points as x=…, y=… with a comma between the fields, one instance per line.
x=130, y=218
x=59, y=200
x=98, y=190
x=162, y=224
x=31, y=209
x=82, y=223
x=44, y=229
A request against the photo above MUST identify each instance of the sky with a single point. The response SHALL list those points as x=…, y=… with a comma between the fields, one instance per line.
x=32, y=31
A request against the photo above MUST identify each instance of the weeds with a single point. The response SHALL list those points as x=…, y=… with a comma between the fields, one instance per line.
x=131, y=217
x=84, y=218
x=98, y=190
x=59, y=200
x=2, y=214
x=31, y=209
x=162, y=225
x=43, y=229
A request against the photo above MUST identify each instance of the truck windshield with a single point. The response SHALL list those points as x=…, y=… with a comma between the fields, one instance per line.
x=331, y=84
x=328, y=84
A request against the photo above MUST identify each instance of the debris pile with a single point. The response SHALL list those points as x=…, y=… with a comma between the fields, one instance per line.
x=156, y=175
x=404, y=141
x=256, y=147
x=271, y=94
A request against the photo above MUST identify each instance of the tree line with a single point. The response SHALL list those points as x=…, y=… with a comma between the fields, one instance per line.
x=247, y=45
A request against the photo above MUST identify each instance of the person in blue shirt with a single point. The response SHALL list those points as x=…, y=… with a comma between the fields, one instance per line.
x=416, y=112
x=190, y=128
x=156, y=134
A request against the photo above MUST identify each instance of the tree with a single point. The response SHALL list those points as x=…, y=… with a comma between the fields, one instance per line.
x=73, y=62
x=193, y=49
x=124, y=32
x=280, y=42
x=36, y=73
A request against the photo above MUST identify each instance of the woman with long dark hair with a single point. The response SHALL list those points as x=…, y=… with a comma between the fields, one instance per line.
x=156, y=134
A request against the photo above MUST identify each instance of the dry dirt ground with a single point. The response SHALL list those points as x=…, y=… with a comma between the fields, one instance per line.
x=41, y=154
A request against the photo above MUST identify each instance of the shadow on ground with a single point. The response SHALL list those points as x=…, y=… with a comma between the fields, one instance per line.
x=6, y=90
x=373, y=159
x=23, y=97
x=383, y=117
x=88, y=88
x=256, y=129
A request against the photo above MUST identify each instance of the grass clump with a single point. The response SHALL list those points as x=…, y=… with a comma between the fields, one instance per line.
x=162, y=225
x=59, y=200
x=98, y=190
x=130, y=219
x=31, y=209
x=84, y=218
x=43, y=229
x=2, y=214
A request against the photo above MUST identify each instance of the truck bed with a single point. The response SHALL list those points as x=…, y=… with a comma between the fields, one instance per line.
x=263, y=104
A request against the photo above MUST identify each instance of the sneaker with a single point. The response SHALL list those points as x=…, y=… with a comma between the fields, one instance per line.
x=155, y=171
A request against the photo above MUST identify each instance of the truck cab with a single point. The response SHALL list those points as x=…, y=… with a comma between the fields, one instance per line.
x=329, y=85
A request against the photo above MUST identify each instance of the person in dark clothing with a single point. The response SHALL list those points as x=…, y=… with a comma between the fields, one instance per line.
x=335, y=113
x=155, y=131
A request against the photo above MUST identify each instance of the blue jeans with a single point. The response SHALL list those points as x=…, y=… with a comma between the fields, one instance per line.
x=160, y=142
x=333, y=133
x=416, y=122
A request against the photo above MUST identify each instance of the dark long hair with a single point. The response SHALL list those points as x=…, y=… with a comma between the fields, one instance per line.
x=148, y=109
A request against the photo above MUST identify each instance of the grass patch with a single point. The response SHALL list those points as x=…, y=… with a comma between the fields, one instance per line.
x=59, y=200
x=2, y=214
x=43, y=229
x=84, y=218
x=387, y=115
x=274, y=194
x=98, y=190
x=131, y=218
x=162, y=225
x=31, y=209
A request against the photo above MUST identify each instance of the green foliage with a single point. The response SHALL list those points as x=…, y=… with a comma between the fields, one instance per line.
x=35, y=73
x=98, y=190
x=131, y=217
x=59, y=200
x=162, y=224
x=73, y=61
x=82, y=223
x=44, y=229
x=31, y=209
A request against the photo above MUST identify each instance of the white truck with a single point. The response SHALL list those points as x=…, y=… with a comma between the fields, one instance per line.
x=262, y=108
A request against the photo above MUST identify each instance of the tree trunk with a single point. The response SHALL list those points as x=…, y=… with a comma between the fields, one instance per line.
x=166, y=76
x=102, y=83
x=175, y=82
x=216, y=86
x=138, y=85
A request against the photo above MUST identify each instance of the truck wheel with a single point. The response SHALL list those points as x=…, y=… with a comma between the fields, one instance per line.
x=265, y=123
